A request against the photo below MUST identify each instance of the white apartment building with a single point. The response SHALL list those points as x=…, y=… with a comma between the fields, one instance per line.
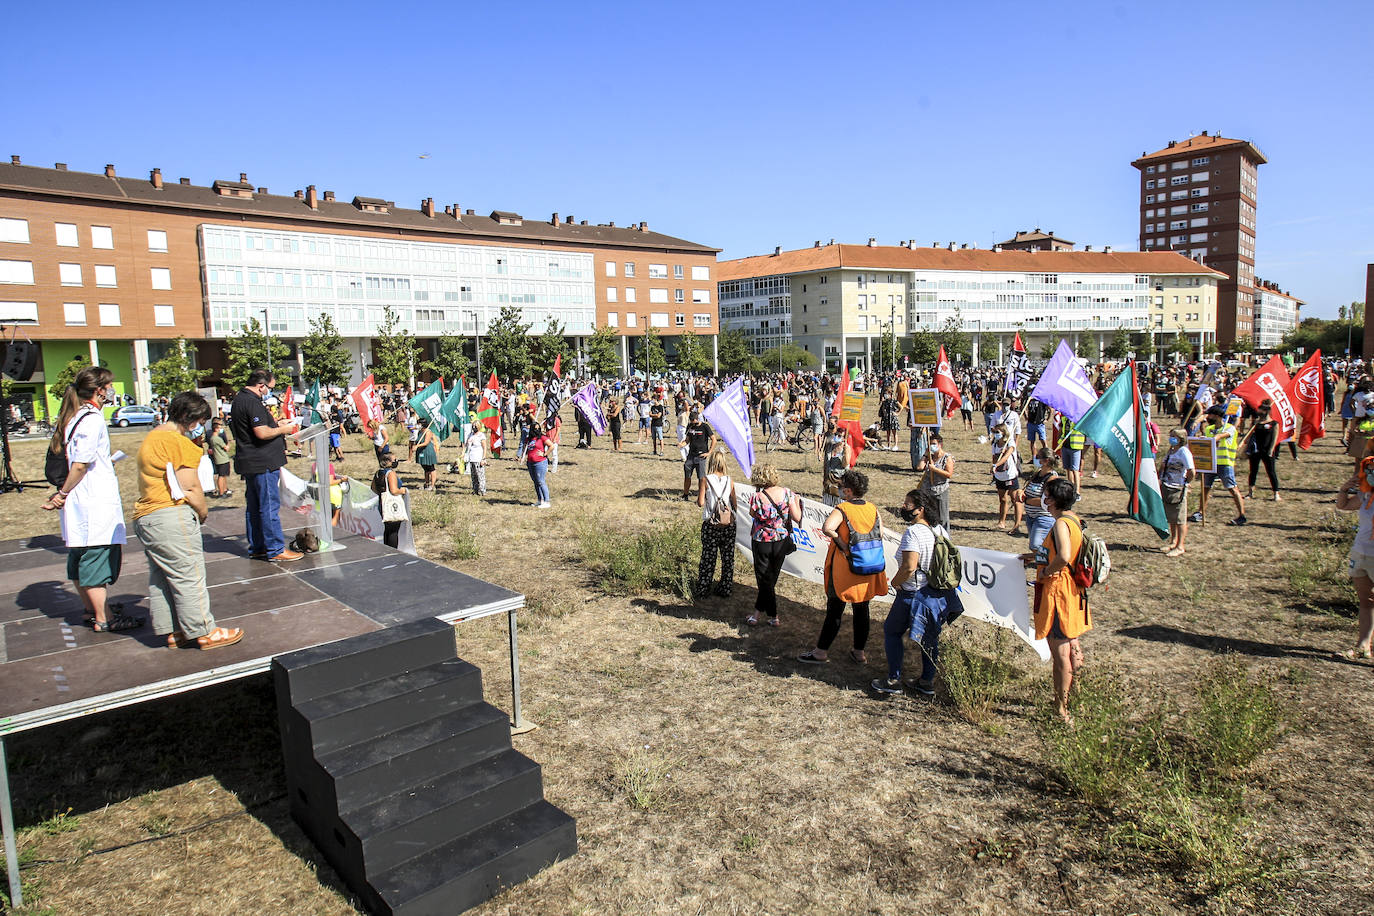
x=1276, y=313
x=760, y=308
x=843, y=296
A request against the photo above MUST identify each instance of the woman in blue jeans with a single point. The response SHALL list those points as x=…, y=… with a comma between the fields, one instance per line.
x=1038, y=518
x=919, y=609
x=537, y=461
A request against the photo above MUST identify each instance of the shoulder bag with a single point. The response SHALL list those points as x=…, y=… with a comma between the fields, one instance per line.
x=790, y=546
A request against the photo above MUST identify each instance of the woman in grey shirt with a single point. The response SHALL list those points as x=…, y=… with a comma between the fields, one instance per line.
x=937, y=469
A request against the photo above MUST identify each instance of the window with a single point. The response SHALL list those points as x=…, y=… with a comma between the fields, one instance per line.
x=14, y=230
x=629, y=268
x=630, y=295
x=658, y=319
x=14, y=312
x=679, y=320
x=105, y=275
x=700, y=320
x=1149, y=170
x=658, y=295
x=863, y=322
x=677, y=271
x=1175, y=302
x=1179, y=224
x=161, y=277
x=1150, y=185
x=863, y=301
x=1178, y=180
x=679, y=296
x=16, y=271
x=657, y=272
x=825, y=322
x=1199, y=208
x=631, y=320
x=102, y=237
x=1177, y=195
x=1198, y=192
x=823, y=278
x=1180, y=164
x=613, y=319
x=157, y=240
x=1202, y=160
x=74, y=313
x=701, y=273
x=66, y=235
x=701, y=296
x=70, y=274
x=162, y=316
x=612, y=294
x=109, y=314
x=610, y=268
x=1149, y=198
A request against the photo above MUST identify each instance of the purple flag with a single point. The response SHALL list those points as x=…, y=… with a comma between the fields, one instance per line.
x=1064, y=385
x=728, y=415
x=585, y=401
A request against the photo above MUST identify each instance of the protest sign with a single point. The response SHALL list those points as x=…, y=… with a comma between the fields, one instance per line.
x=853, y=407
x=993, y=590
x=925, y=408
x=1204, y=449
x=360, y=514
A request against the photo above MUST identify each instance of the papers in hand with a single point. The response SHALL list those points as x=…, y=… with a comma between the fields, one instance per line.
x=173, y=487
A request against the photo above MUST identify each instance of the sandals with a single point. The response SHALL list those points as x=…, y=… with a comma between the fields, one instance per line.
x=1356, y=654
x=117, y=623
x=752, y=620
x=857, y=657
x=178, y=640
x=218, y=638
x=774, y=622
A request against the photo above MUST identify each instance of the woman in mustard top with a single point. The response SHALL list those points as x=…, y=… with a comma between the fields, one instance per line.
x=168, y=524
x=1061, y=606
x=843, y=585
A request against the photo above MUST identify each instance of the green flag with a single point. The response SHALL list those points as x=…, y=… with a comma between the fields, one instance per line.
x=1117, y=424
x=312, y=400
x=428, y=404
x=455, y=410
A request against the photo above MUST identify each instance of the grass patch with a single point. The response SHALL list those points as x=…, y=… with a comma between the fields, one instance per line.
x=661, y=559
x=1319, y=574
x=976, y=682
x=1168, y=782
x=464, y=545
x=430, y=509
x=643, y=777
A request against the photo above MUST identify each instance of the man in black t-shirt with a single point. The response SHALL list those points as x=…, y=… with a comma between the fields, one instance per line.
x=699, y=439
x=656, y=424
x=258, y=459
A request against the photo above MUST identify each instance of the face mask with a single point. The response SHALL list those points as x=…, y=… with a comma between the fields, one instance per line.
x=935, y=449
x=195, y=432
x=1175, y=440
x=908, y=515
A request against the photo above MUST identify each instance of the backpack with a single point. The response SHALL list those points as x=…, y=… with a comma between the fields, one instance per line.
x=1093, y=563
x=946, y=567
x=721, y=513
x=865, y=552
x=55, y=468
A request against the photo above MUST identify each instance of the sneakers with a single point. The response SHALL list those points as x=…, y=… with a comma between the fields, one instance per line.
x=888, y=686
x=1238, y=520
x=923, y=687
x=285, y=556
x=1195, y=517
x=543, y=505
x=1093, y=475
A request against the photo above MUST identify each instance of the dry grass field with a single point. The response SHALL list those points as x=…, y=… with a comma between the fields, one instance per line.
x=711, y=773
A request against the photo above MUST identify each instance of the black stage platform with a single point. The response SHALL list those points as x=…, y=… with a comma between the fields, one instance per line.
x=53, y=668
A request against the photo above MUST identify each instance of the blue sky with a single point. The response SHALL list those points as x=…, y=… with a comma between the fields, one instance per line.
x=741, y=126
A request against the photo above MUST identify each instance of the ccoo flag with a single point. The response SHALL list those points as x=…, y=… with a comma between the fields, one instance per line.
x=1117, y=423
x=1271, y=382
x=1306, y=395
x=944, y=383
x=1018, y=373
x=728, y=415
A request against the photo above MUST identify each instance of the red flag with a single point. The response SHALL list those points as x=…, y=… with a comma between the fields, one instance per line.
x=1272, y=382
x=364, y=398
x=557, y=364
x=490, y=411
x=1305, y=393
x=944, y=383
x=288, y=405
x=1056, y=431
x=844, y=389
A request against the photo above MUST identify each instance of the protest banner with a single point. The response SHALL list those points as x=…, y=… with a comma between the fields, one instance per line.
x=1204, y=449
x=853, y=407
x=360, y=514
x=925, y=408
x=994, y=588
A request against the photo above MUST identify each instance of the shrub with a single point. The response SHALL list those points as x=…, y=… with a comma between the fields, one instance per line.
x=1237, y=717
x=465, y=545
x=976, y=683
x=661, y=559
x=643, y=777
x=1318, y=572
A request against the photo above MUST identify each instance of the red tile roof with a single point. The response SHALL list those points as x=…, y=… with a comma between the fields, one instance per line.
x=835, y=257
x=1202, y=143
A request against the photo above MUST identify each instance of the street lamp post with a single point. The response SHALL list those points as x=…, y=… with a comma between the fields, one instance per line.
x=267, y=335
x=476, y=341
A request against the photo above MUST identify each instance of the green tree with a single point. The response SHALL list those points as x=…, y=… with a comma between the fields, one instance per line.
x=506, y=349
x=67, y=375
x=1145, y=346
x=958, y=346
x=549, y=346
x=176, y=372
x=1328, y=336
x=323, y=353
x=450, y=361
x=395, y=350
x=925, y=348
x=791, y=356
x=246, y=350
x=691, y=353
x=890, y=347
x=1181, y=345
x=734, y=353
x=1120, y=345
x=603, y=352
x=651, y=354
x=1243, y=344
x=1083, y=349
x=1048, y=348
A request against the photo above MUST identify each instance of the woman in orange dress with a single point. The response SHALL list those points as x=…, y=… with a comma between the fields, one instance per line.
x=842, y=585
x=1061, y=606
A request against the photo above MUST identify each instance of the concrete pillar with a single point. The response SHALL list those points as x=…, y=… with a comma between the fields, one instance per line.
x=715, y=354
x=624, y=355
x=1101, y=347
x=95, y=352
x=1000, y=345
x=975, y=349
x=143, y=387
x=844, y=352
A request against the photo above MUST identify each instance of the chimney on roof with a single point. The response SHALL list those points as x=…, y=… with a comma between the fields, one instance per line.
x=468, y=212
x=996, y=249
x=243, y=177
x=911, y=243
x=818, y=243
x=951, y=246
x=872, y=242
x=311, y=199
x=611, y=224
x=570, y=219
x=427, y=207
x=262, y=190
x=583, y=223
x=156, y=178
x=1204, y=133
x=448, y=209
x=554, y=220
x=1107, y=249
x=643, y=226
x=185, y=181
x=1087, y=248
x=300, y=195
x=777, y=250
x=963, y=247
x=832, y=241
x=1173, y=143
x=109, y=169
x=14, y=160
x=329, y=196
x=60, y=166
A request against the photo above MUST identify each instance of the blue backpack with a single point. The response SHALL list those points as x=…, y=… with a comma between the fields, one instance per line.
x=865, y=550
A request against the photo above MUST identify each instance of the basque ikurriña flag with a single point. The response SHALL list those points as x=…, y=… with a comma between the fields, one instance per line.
x=488, y=413
x=728, y=415
x=1117, y=424
x=1018, y=373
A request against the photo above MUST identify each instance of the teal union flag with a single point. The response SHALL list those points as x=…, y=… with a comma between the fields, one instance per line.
x=1117, y=424
x=428, y=404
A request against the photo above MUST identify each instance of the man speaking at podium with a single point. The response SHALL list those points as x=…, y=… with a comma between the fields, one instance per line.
x=258, y=459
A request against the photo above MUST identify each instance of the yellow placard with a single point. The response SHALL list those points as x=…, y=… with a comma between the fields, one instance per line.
x=1204, y=451
x=925, y=407
x=853, y=407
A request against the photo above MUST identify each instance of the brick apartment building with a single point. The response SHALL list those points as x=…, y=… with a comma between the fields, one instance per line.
x=118, y=268
x=1198, y=198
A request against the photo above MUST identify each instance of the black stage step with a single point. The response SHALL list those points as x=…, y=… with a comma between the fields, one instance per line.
x=405, y=778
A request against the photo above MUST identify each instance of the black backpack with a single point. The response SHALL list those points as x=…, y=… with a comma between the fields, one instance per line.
x=55, y=468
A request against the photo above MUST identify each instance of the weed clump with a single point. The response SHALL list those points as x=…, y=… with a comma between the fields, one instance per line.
x=976, y=682
x=643, y=776
x=1318, y=573
x=464, y=544
x=661, y=559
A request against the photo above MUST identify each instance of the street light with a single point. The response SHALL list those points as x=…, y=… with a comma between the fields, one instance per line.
x=267, y=335
x=476, y=341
